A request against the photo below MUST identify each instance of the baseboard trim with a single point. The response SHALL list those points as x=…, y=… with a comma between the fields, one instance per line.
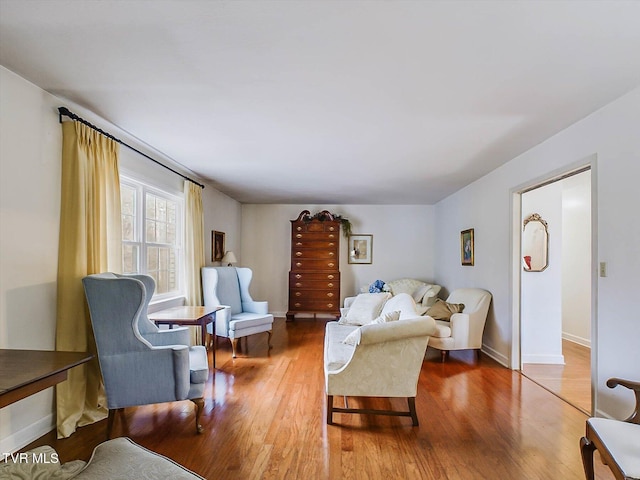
x=497, y=356
x=21, y=438
x=585, y=342
x=544, y=359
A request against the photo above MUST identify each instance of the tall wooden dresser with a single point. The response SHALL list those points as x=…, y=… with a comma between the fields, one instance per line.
x=314, y=279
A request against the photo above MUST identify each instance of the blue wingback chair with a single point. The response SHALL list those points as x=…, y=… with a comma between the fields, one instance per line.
x=241, y=316
x=140, y=364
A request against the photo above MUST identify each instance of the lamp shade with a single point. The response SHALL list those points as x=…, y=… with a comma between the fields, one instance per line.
x=229, y=258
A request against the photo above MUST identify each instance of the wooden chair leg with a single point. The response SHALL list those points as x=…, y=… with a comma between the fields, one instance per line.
x=110, y=418
x=234, y=347
x=329, y=409
x=586, y=450
x=444, y=354
x=477, y=350
x=412, y=410
x=269, y=340
x=199, y=402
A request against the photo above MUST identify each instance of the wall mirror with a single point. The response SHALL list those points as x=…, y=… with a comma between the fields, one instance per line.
x=535, y=244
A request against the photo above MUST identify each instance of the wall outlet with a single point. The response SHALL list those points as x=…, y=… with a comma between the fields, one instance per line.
x=603, y=269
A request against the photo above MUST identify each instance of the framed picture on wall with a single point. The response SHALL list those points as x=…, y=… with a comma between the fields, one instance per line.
x=466, y=247
x=360, y=248
x=217, y=245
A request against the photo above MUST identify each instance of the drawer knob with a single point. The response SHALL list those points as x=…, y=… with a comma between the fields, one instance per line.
x=331, y=235
x=297, y=304
x=298, y=244
x=331, y=229
x=331, y=254
x=299, y=228
x=331, y=244
x=330, y=305
x=329, y=284
x=298, y=294
x=329, y=294
x=298, y=284
x=330, y=277
x=332, y=264
x=298, y=254
x=298, y=276
x=298, y=264
x=299, y=235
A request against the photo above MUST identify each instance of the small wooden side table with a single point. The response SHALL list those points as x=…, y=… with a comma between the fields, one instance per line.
x=25, y=372
x=189, y=316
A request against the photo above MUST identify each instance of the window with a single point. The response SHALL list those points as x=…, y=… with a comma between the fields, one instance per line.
x=151, y=235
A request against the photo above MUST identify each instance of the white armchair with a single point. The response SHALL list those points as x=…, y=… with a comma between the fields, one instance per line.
x=241, y=315
x=464, y=330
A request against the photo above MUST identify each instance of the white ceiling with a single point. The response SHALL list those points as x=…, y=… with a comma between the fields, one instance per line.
x=330, y=102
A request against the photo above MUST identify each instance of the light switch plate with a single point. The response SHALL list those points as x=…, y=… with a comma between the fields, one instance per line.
x=603, y=269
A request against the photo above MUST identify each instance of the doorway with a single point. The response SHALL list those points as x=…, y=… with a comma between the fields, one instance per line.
x=555, y=301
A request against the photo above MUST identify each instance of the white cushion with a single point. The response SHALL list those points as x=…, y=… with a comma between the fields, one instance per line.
x=354, y=337
x=365, y=308
x=622, y=440
x=405, y=285
x=443, y=329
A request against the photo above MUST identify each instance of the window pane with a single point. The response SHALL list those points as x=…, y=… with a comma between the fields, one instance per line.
x=128, y=228
x=150, y=203
x=151, y=231
x=129, y=259
x=152, y=259
x=161, y=209
x=171, y=233
x=161, y=232
x=128, y=199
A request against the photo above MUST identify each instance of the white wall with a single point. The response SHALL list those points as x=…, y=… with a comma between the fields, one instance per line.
x=576, y=258
x=29, y=223
x=403, y=246
x=611, y=134
x=541, y=292
x=29, y=227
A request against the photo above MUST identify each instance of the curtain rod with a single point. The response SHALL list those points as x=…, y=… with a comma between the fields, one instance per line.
x=67, y=113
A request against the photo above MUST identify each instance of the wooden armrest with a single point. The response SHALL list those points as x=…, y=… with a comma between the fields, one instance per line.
x=635, y=386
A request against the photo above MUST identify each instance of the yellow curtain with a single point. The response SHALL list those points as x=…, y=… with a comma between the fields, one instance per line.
x=194, y=242
x=90, y=242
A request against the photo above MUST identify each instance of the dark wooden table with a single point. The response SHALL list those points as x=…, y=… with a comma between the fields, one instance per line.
x=25, y=372
x=189, y=316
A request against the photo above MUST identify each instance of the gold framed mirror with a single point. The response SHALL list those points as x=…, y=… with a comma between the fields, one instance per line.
x=535, y=244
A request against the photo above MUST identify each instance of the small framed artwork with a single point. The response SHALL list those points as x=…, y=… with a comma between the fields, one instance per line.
x=360, y=248
x=217, y=245
x=466, y=247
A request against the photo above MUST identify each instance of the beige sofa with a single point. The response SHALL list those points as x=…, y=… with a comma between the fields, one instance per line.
x=424, y=294
x=384, y=360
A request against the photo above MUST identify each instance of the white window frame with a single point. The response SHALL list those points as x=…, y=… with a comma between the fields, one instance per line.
x=140, y=232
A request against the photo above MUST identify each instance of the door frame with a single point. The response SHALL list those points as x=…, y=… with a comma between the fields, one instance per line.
x=515, y=353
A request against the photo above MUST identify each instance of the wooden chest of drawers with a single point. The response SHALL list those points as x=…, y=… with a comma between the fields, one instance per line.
x=314, y=279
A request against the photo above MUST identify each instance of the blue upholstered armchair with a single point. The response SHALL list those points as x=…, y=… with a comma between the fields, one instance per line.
x=241, y=316
x=140, y=364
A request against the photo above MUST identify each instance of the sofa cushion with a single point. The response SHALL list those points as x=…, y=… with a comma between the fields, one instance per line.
x=354, y=337
x=442, y=310
x=404, y=303
x=405, y=285
x=337, y=353
x=443, y=329
x=365, y=308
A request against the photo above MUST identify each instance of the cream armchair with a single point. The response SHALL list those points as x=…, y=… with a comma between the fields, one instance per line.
x=464, y=330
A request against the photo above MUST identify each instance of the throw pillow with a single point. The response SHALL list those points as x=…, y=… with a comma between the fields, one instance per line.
x=365, y=308
x=442, y=310
x=418, y=293
x=354, y=337
x=386, y=318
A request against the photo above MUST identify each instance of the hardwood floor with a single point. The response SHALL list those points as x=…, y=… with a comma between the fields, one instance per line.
x=264, y=418
x=571, y=381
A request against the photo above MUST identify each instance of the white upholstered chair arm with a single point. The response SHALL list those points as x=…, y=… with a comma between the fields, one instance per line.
x=223, y=317
x=394, y=331
x=460, y=329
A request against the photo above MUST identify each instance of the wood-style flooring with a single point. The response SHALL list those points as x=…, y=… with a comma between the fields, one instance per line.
x=265, y=419
x=571, y=381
